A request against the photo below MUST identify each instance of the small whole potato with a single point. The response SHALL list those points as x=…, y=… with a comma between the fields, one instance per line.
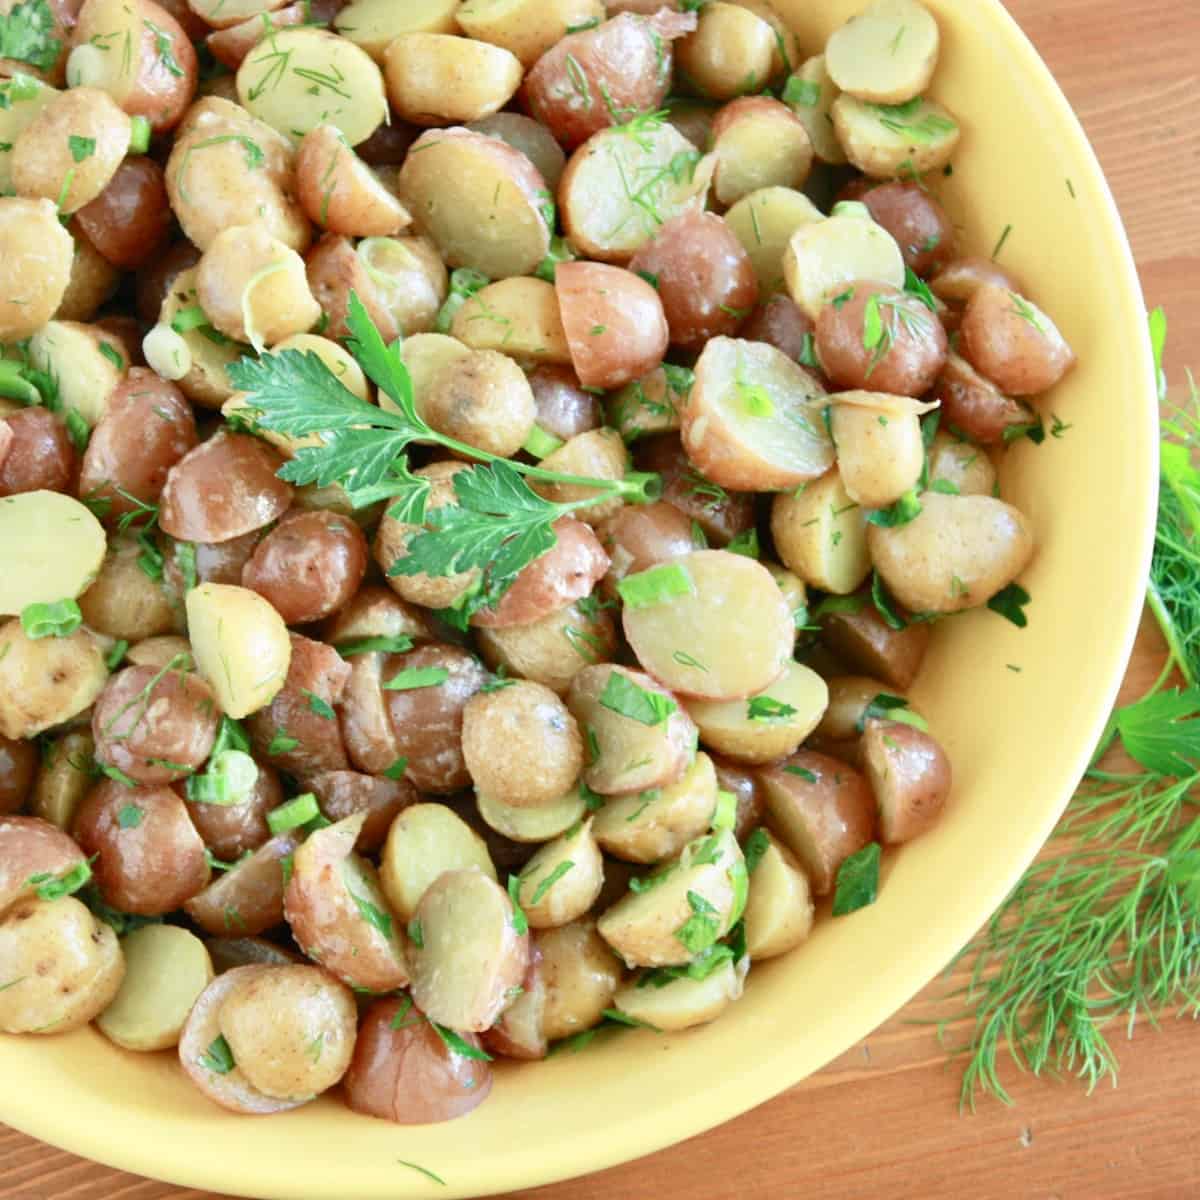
x=149, y=857
x=921, y=226
x=62, y=966
x=36, y=453
x=291, y=1030
x=308, y=566
x=961, y=464
x=1010, y=341
x=408, y=281
x=484, y=400
x=253, y=288
x=780, y=323
x=124, y=602
x=427, y=691
x=956, y=555
x=882, y=339
x=36, y=254
x=47, y=681
x=403, y=1071
x=521, y=744
x=731, y=52
x=93, y=282
x=154, y=726
x=129, y=222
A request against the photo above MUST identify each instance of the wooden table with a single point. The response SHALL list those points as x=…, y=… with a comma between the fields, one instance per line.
x=883, y=1119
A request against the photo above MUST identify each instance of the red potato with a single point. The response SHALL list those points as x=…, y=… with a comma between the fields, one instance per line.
x=155, y=280
x=194, y=26
x=781, y=323
x=533, y=140
x=128, y=223
x=975, y=406
x=758, y=142
x=326, y=904
x=224, y=488
x=298, y=731
x=614, y=321
x=867, y=644
x=641, y=536
x=370, y=741
x=910, y=775
x=229, y=952
x=721, y=515
x=567, y=572
x=149, y=859
x=230, y=45
x=506, y=230
x=881, y=338
x=564, y=409
x=623, y=64
x=154, y=726
x=339, y=192
x=248, y=900
x=36, y=453
x=343, y=794
x=308, y=566
x=29, y=848
x=216, y=562
x=334, y=271
x=921, y=226
x=388, y=145
x=1010, y=341
x=231, y=830
x=705, y=278
x=147, y=429
x=520, y=1032
x=18, y=765
x=959, y=280
x=374, y=611
x=427, y=721
x=741, y=781
x=403, y=1071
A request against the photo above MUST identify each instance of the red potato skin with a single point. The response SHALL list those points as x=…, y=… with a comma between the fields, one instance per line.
x=975, y=406
x=564, y=409
x=706, y=282
x=921, y=226
x=781, y=323
x=743, y=783
x=229, y=46
x=629, y=57
x=641, y=536
x=150, y=868
x=565, y=573
x=388, y=145
x=30, y=846
x=247, y=900
x=315, y=671
x=614, y=321
x=403, y=1072
x=334, y=271
x=224, y=488
x=341, y=794
x=129, y=222
x=160, y=95
x=18, y=765
x=308, y=566
x=216, y=562
x=231, y=830
x=156, y=279
x=148, y=428
x=144, y=719
x=36, y=453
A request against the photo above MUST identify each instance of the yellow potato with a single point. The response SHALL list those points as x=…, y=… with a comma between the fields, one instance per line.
x=779, y=910
x=484, y=400
x=759, y=143
x=528, y=136
x=93, y=281
x=87, y=361
x=562, y=880
x=425, y=841
x=596, y=454
x=760, y=729
x=36, y=254
x=166, y=969
x=409, y=277
x=810, y=94
x=62, y=966
x=821, y=535
x=467, y=955
x=880, y=450
x=426, y=355
x=527, y=28
x=241, y=646
x=51, y=547
x=647, y=827
x=24, y=99
x=521, y=824
x=732, y=52
x=683, y=1003
x=340, y=192
x=961, y=464
x=196, y=362
x=297, y=79
x=124, y=602
x=764, y=222
x=581, y=976
x=886, y=141
x=376, y=24
x=887, y=53
x=439, y=79
x=957, y=554
x=64, y=778
x=519, y=317
x=656, y=927
x=223, y=14
x=832, y=253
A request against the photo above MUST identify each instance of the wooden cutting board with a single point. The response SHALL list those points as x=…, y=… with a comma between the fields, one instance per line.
x=883, y=1121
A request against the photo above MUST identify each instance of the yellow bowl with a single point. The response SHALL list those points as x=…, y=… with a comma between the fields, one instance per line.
x=1019, y=739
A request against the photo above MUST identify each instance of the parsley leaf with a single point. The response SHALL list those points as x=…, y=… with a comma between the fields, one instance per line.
x=459, y=1045
x=1010, y=604
x=767, y=708
x=1161, y=732
x=26, y=34
x=857, y=881
x=624, y=697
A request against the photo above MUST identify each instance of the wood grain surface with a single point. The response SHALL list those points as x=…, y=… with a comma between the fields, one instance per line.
x=883, y=1121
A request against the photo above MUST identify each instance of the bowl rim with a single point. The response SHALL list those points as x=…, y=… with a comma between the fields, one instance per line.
x=766, y=1076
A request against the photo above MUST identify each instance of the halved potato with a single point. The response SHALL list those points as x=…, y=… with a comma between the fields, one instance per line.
x=467, y=954
x=441, y=79
x=752, y=421
x=562, y=880
x=910, y=775
x=340, y=193
x=63, y=779
x=52, y=548
x=527, y=28
x=46, y=681
x=376, y=24
x=720, y=630
x=810, y=93
x=887, y=53
x=519, y=317
x=580, y=974
x=821, y=534
x=758, y=143
x=647, y=827
x=87, y=361
x=764, y=222
x=682, y=1003
x=779, y=911
x=247, y=900
x=885, y=141
x=536, y=825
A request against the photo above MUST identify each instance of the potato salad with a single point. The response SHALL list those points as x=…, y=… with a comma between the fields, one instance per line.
x=478, y=480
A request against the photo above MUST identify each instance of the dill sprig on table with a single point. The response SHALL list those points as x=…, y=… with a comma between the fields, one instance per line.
x=1106, y=928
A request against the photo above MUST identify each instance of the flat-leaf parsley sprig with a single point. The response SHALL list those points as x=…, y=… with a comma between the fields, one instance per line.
x=1106, y=927
x=499, y=525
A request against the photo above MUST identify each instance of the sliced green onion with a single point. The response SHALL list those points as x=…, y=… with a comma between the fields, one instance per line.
x=229, y=780
x=659, y=585
x=725, y=814
x=296, y=812
x=541, y=444
x=139, y=135
x=58, y=619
